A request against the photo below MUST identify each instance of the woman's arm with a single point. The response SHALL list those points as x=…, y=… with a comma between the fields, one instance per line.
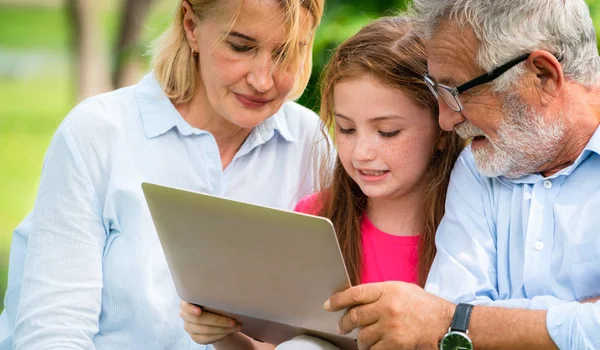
x=61, y=288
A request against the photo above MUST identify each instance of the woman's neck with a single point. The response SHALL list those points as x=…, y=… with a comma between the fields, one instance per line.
x=199, y=114
x=402, y=216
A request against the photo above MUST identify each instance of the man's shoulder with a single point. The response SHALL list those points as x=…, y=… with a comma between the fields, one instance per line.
x=465, y=166
x=466, y=182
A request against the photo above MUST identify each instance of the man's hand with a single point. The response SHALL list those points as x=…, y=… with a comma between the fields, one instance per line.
x=393, y=315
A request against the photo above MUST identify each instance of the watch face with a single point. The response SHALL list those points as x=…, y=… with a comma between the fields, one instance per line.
x=456, y=341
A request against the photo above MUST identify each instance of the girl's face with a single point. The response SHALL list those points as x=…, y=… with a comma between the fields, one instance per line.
x=239, y=76
x=384, y=140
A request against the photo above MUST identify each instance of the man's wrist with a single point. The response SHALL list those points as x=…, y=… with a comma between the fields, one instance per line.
x=456, y=336
x=447, y=315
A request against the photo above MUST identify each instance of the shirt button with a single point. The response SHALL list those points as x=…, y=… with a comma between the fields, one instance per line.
x=539, y=245
x=547, y=184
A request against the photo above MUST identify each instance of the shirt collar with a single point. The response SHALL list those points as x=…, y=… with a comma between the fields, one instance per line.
x=159, y=114
x=276, y=123
x=593, y=146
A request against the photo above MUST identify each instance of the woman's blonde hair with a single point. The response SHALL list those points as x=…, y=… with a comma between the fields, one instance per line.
x=175, y=65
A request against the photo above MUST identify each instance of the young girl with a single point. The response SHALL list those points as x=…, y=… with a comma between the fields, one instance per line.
x=386, y=194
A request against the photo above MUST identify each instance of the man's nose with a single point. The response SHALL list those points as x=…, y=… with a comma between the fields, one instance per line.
x=448, y=118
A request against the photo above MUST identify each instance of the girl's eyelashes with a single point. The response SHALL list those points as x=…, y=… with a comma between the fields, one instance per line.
x=381, y=133
x=345, y=131
x=389, y=134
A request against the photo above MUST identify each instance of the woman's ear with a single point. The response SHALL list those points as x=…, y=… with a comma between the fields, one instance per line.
x=190, y=23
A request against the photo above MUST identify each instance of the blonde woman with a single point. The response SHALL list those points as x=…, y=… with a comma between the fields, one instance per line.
x=86, y=267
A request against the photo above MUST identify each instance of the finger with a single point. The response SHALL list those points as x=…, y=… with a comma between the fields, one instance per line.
x=203, y=330
x=381, y=345
x=208, y=319
x=362, y=294
x=207, y=339
x=368, y=336
x=190, y=308
x=358, y=316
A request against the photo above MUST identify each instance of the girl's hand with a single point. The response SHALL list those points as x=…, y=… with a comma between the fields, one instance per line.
x=205, y=327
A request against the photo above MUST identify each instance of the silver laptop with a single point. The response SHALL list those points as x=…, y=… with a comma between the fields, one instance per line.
x=269, y=269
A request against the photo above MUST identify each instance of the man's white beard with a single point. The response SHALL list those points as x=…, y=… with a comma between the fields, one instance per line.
x=525, y=141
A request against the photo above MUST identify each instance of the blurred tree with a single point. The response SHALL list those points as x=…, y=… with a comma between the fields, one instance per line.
x=90, y=74
x=342, y=19
x=92, y=67
x=127, y=66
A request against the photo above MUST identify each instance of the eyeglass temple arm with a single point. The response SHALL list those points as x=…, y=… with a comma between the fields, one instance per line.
x=493, y=74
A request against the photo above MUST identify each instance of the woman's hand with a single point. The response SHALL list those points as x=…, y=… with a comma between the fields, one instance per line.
x=205, y=327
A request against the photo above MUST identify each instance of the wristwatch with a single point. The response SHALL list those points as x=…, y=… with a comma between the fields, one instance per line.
x=457, y=338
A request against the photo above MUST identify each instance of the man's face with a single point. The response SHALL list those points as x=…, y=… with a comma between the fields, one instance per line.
x=509, y=137
x=523, y=144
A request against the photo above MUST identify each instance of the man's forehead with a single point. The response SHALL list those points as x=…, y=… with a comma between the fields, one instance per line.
x=451, y=53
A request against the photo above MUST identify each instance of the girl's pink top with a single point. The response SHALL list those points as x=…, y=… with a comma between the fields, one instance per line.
x=385, y=257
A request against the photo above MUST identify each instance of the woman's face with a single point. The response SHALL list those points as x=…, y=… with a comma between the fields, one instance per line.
x=239, y=77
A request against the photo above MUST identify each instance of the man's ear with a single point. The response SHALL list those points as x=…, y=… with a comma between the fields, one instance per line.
x=190, y=22
x=549, y=77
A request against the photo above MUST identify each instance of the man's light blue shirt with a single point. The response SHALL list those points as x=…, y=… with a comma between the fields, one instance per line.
x=86, y=267
x=531, y=243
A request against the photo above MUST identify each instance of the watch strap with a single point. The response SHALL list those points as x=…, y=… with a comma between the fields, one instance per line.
x=460, y=322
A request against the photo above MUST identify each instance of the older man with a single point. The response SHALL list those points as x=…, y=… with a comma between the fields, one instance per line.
x=521, y=235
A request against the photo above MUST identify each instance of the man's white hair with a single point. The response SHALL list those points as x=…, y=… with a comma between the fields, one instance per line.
x=509, y=28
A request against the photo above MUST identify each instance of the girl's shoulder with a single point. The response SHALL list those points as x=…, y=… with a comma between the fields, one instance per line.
x=310, y=204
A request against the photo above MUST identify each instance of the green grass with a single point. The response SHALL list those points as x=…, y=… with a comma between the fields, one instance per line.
x=39, y=28
x=49, y=28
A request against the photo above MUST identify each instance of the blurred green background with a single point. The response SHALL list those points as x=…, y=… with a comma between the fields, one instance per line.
x=38, y=75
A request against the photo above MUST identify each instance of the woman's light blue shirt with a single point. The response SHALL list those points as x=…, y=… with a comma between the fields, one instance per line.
x=86, y=267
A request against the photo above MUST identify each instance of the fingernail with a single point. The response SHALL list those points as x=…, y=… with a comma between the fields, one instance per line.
x=339, y=330
x=231, y=324
x=327, y=305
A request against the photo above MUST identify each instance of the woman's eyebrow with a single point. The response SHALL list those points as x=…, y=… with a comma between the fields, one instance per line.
x=243, y=36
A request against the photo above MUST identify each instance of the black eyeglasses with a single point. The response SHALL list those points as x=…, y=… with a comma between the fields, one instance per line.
x=450, y=94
